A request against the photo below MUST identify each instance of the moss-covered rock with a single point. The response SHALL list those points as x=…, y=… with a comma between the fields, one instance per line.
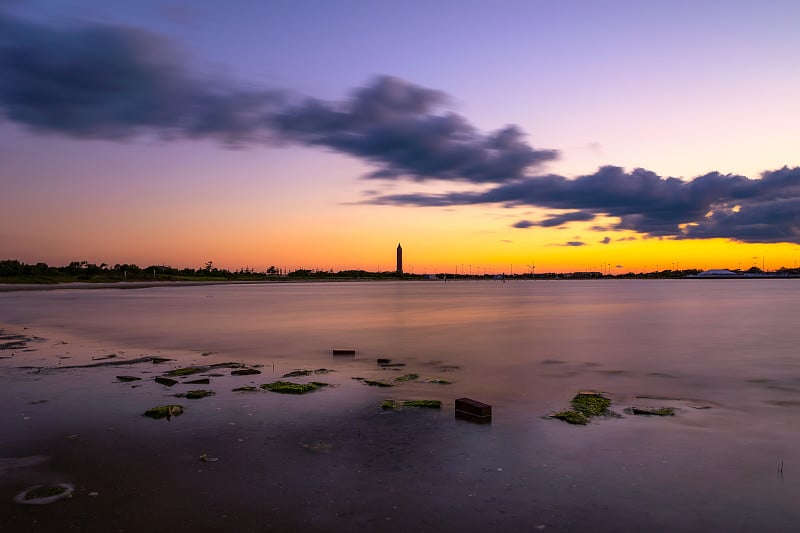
x=185, y=371
x=287, y=387
x=651, y=411
x=169, y=382
x=571, y=417
x=244, y=389
x=585, y=406
x=429, y=404
x=407, y=377
x=44, y=494
x=245, y=372
x=196, y=394
x=591, y=403
x=164, y=411
x=389, y=405
x=377, y=383
x=297, y=374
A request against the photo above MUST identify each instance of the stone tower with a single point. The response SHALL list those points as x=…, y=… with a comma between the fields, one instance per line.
x=399, y=260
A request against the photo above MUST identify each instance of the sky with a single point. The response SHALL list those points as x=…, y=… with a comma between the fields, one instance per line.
x=486, y=137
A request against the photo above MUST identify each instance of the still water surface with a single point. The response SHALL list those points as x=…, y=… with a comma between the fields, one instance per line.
x=711, y=335
x=722, y=352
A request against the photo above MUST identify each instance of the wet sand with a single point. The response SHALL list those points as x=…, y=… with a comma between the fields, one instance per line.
x=332, y=460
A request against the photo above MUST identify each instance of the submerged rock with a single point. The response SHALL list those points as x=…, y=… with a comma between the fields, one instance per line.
x=164, y=411
x=196, y=394
x=302, y=373
x=376, y=383
x=169, y=382
x=394, y=405
x=287, y=387
x=244, y=389
x=430, y=404
x=185, y=371
x=245, y=372
x=126, y=379
x=201, y=381
x=651, y=411
x=585, y=406
x=44, y=494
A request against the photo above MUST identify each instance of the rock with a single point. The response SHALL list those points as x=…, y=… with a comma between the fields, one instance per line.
x=128, y=378
x=467, y=407
x=164, y=411
x=166, y=381
x=245, y=372
x=44, y=494
x=196, y=394
x=286, y=387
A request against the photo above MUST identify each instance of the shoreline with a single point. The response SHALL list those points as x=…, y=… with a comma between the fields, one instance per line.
x=333, y=460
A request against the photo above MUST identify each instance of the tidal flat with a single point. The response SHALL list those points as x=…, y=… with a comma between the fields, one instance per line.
x=720, y=355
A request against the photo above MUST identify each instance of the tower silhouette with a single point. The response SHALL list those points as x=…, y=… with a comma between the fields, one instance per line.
x=399, y=260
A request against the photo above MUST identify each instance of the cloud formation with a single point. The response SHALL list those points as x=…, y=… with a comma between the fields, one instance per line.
x=402, y=129
x=115, y=82
x=708, y=206
x=119, y=82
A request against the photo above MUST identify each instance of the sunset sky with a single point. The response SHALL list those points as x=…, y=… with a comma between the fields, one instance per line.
x=569, y=135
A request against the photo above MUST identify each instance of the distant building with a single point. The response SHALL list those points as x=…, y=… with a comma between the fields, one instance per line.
x=717, y=273
x=399, y=260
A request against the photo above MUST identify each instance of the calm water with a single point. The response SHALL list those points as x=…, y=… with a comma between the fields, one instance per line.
x=723, y=352
x=717, y=335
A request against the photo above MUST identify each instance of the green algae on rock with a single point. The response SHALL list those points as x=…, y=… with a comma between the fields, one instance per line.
x=376, y=383
x=407, y=377
x=571, y=417
x=389, y=405
x=44, y=494
x=244, y=389
x=303, y=373
x=245, y=372
x=196, y=394
x=185, y=371
x=287, y=387
x=591, y=403
x=394, y=405
x=585, y=406
x=651, y=411
x=429, y=404
x=164, y=411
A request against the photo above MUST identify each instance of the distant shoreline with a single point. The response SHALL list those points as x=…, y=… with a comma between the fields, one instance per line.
x=126, y=285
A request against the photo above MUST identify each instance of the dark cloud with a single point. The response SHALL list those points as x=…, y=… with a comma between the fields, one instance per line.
x=560, y=220
x=402, y=129
x=556, y=220
x=118, y=82
x=575, y=243
x=708, y=206
x=605, y=240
